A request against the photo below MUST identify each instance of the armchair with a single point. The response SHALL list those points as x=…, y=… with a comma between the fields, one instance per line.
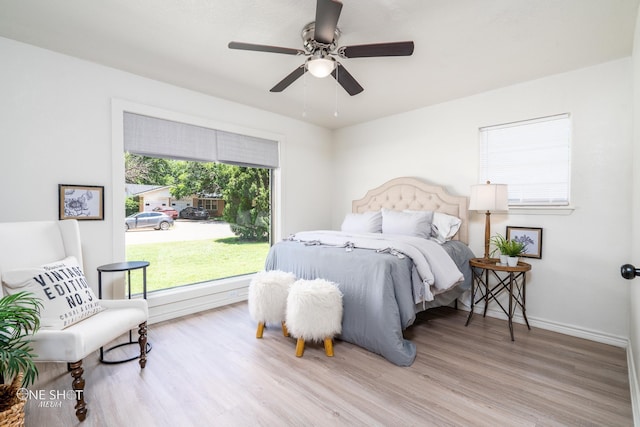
x=26, y=245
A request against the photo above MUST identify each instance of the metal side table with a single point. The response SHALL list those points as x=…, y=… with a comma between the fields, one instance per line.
x=127, y=266
x=510, y=279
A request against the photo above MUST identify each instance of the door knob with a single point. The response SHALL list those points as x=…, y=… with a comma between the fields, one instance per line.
x=628, y=271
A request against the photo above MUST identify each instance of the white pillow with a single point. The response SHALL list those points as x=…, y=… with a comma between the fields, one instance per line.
x=366, y=222
x=411, y=223
x=444, y=226
x=61, y=286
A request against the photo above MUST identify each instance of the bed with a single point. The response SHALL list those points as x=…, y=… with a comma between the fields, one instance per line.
x=387, y=277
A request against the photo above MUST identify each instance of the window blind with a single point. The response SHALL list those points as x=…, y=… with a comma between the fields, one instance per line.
x=154, y=137
x=243, y=150
x=532, y=157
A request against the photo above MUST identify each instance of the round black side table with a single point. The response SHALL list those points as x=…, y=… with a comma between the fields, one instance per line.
x=127, y=266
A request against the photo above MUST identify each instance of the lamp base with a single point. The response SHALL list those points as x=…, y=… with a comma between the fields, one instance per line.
x=487, y=234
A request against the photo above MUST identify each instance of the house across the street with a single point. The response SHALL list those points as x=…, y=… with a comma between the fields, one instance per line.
x=151, y=197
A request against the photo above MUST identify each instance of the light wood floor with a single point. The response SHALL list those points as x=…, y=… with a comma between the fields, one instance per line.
x=209, y=369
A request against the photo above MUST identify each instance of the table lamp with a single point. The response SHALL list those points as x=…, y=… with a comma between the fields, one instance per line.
x=488, y=198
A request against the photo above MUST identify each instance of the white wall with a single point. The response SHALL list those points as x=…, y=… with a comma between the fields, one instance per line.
x=56, y=128
x=634, y=254
x=576, y=284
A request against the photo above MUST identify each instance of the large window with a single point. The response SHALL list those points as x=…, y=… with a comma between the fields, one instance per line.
x=532, y=157
x=223, y=183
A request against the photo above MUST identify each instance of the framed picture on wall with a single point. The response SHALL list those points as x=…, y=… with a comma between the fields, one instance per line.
x=531, y=236
x=81, y=202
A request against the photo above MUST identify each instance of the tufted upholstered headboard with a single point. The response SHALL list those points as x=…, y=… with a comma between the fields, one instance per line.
x=411, y=193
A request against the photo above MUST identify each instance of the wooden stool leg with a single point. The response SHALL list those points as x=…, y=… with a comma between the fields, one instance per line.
x=260, y=330
x=299, y=347
x=328, y=347
x=285, y=331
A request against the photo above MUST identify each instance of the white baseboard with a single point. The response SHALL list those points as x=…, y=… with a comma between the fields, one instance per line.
x=634, y=387
x=572, y=330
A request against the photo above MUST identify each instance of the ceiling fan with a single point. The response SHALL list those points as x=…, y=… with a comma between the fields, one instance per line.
x=320, y=47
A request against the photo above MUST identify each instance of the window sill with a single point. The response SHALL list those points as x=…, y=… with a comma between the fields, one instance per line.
x=541, y=210
x=181, y=301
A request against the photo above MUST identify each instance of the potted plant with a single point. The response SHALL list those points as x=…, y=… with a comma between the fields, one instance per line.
x=19, y=318
x=500, y=243
x=513, y=249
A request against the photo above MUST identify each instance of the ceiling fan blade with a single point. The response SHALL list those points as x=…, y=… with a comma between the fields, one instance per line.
x=327, y=15
x=265, y=48
x=346, y=80
x=284, y=83
x=378, y=49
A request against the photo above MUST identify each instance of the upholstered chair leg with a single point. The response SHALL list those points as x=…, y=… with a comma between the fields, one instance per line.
x=260, y=330
x=328, y=347
x=285, y=331
x=78, y=387
x=299, y=347
x=142, y=340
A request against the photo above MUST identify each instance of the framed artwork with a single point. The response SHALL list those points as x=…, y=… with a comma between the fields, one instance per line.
x=531, y=236
x=81, y=202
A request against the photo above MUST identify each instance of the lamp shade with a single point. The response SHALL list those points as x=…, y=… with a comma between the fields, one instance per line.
x=489, y=198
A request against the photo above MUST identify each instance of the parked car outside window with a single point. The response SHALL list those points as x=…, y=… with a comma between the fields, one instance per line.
x=157, y=220
x=194, y=213
x=171, y=212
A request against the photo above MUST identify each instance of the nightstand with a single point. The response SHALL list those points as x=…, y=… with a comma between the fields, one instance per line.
x=510, y=279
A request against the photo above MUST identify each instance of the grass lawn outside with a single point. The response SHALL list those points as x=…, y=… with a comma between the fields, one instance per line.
x=187, y=262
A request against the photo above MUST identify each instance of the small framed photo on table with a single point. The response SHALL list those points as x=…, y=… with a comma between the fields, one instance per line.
x=531, y=236
x=81, y=202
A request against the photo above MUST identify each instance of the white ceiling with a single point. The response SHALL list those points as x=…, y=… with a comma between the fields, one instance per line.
x=462, y=47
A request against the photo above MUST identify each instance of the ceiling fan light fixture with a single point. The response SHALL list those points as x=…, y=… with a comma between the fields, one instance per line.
x=321, y=66
x=320, y=42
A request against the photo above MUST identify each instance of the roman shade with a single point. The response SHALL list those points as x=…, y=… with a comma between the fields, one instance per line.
x=154, y=137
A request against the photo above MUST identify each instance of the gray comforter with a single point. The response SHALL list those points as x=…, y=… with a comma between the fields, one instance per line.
x=377, y=290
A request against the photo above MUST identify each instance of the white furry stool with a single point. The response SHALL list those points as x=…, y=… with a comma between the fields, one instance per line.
x=314, y=313
x=268, y=292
